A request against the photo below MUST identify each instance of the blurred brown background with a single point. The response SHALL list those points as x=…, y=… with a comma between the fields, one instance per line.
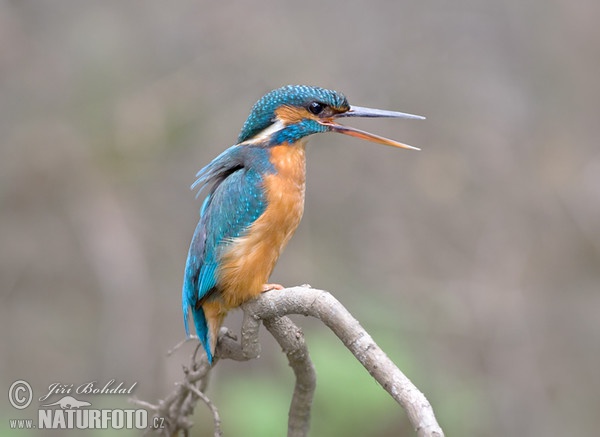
x=475, y=263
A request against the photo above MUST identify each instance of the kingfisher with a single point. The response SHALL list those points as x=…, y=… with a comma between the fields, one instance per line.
x=255, y=200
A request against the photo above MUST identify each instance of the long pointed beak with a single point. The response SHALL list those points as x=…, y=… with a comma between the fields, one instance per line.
x=358, y=111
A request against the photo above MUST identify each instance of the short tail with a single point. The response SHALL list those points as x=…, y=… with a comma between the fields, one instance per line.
x=201, y=329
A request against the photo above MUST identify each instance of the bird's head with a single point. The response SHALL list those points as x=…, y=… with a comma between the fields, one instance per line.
x=293, y=112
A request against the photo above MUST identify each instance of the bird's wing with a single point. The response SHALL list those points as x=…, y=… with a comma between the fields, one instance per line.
x=236, y=199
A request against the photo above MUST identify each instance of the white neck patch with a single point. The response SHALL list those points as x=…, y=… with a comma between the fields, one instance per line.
x=266, y=132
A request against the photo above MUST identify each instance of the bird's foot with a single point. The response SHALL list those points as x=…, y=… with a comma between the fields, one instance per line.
x=269, y=287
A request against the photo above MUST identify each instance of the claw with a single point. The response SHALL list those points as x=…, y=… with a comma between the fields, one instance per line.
x=269, y=287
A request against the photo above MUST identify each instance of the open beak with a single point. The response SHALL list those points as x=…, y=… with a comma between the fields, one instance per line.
x=357, y=111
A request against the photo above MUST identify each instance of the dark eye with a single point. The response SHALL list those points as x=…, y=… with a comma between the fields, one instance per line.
x=316, y=107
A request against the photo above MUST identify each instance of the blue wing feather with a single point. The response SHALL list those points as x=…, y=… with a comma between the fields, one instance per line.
x=235, y=201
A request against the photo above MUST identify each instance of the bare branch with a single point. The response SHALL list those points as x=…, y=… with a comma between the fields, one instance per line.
x=323, y=306
x=272, y=308
x=175, y=410
x=291, y=339
x=213, y=408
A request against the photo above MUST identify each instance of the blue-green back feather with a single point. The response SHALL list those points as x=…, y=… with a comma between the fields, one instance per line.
x=236, y=199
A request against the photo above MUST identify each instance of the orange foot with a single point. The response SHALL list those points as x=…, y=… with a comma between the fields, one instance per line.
x=269, y=287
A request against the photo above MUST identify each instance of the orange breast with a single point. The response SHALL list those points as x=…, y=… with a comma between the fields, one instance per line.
x=249, y=262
